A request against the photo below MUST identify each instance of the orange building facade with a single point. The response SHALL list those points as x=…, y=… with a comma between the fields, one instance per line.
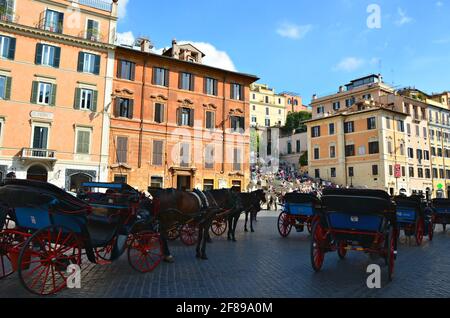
x=54, y=63
x=177, y=123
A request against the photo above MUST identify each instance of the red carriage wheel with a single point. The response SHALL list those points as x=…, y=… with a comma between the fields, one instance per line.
x=189, y=234
x=219, y=226
x=45, y=257
x=317, y=250
x=390, y=257
x=284, y=225
x=103, y=254
x=145, y=251
x=6, y=245
x=420, y=227
x=342, y=251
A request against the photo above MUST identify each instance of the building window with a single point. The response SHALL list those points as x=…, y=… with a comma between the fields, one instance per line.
x=374, y=170
x=417, y=131
x=267, y=122
x=408, y=129
x=185, y=155
x=298, y=148
x=374, y=147
x=333, y=172
x=208, y=184
x=211, y=86
x=419, y=155
x=389, y=146
x=420, y=173
x=320, y=110
x=237, y=92
x=435, y=173
x=441, y=174
x=317, y=173
x=89, y=63
x=439, y=152
x=185, y=116
x=93, y=30
x=336, y=105
x=44, y=93
x=331, y=129
x=40, y=140
x=267, y=111
x=5, y=88
x=237, y=124
x=120, y=178
x=350, y=150
x=411, y=172
x=159, y=113
x=371, y=123
x=156, y=182
x=186, y=81
x=315, y=132
x=237, y=159
x=349, y=127
x=254, y=119
x=122, y=149
x=209, y=157
x=401, y=125
x=427, y=173
x=350, y=102
x=351, y=172
x=411, y=153
x=53, y=21
x=425, y=133
x=388, y=123
x=361, y=150
x=403, y=171
x=289, y=148
x=48, y=55
x=126, y=70
x=391, y=170
x=160, y=76
x=426, y=155
x=86, y=99
x=83, y=141
x=7, y=47
x=367, y=96
x=447, y=174
x=124, y=107
x=157, y=156
x=332, y=151
x=316, y=153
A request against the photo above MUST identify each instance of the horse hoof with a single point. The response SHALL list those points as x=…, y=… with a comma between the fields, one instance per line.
x=169, y=259
x=253, y=231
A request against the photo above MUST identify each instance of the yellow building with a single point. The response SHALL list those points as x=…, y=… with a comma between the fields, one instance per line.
x=267, y=109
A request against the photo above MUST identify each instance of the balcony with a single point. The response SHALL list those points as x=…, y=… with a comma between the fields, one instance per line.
x=38, y=154
x=51, y=26
x=97, y=4
x=92, y=35
x=8, y=16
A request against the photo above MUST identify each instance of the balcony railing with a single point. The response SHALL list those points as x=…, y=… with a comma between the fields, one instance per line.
x=93, y=35
x=34, y=153
x=8, y=16
x=46, y=25
x=97, y=4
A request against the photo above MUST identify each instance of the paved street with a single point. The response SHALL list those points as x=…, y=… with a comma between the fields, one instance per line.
x=262, y=264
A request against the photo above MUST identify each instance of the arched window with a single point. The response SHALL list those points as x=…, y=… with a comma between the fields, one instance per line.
x=77, y=179
x=38, y=173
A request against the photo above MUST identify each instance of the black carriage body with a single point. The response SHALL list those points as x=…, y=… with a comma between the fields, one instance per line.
x=441, y=209
x=357, y=216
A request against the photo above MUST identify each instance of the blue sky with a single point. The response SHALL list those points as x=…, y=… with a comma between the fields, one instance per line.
x=306, y=46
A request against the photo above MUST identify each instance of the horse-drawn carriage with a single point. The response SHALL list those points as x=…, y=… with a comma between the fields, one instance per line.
x=414, y=217
x=355, y=220
x=298, y=211
x=45, y=231
x=441, y=209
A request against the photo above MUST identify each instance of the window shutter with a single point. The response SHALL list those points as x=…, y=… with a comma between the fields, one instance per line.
x=57, y=57
x=60, y=22
x=192, y=82
x=76, y=104
x=208, y=120
x=12, y=48
x=117, y=107
x=53, y=96
x=232, y=91
x=8, y=89
x=34, y=92
x=133, y=71
x=179, y=116
x=94, y=101
x=154, y=76
x=161, y=110
x=90, y=28
x=38, y=58
x=242, y=123
x=166, y=77
x=191, y=118
x=130, y=109
x=180, y=80
x=97, y=65
x=216, y=90
x=80, y=61
x=119, y=69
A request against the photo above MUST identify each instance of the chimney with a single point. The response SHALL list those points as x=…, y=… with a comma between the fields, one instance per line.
x=341, y=89
x=174, y=42
x=145, y=44
x=314, y=97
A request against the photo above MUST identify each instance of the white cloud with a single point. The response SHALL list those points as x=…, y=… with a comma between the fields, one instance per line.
x=439, y=4
x=349, y=64
x=293, y=31
x=403, y=18
x=122, y=8
x=126, y=38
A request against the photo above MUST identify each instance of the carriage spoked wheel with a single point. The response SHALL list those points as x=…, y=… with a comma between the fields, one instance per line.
x=103, y=254
x=145, y=251
x=420, y=228
x=317, y=250
x=390, y=253
x=8, y=243
x=45, y=257
x=189, y=234
x=342, y=249
x=219, y=226
x=284, y=225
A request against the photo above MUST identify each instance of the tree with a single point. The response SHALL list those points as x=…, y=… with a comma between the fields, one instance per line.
x=294, y=121
x=304, y=159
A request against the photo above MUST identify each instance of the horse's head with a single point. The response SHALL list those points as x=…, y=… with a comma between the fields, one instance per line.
x=260, y=195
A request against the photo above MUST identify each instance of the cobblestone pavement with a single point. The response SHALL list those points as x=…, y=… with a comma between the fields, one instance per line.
x=262, y=264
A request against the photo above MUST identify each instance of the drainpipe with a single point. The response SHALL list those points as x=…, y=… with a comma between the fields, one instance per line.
x=224, y=116
x=141, y=131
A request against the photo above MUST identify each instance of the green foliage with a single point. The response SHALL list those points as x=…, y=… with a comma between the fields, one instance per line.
x=304, y=159
x=294, y=120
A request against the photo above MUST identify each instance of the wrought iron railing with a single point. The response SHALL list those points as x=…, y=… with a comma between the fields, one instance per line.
x=97, y=4
x=56, y=27
x=8, y=16
x=35, y=153
x=92, y=35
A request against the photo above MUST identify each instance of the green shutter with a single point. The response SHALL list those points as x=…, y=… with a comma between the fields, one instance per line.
x=34, y=92
x=192, y=82
x=94, y=101
x=117, y=107
x=130, y=109
x=57, y=57
x=191, y=118
x=166, y=77
x=12, y=48
x=38, y=57
x=119, y=69
x=97, y=65
x=53, y=96
x=133, y=71
x=77, y=99
x=8, y=89
x=80, y=61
